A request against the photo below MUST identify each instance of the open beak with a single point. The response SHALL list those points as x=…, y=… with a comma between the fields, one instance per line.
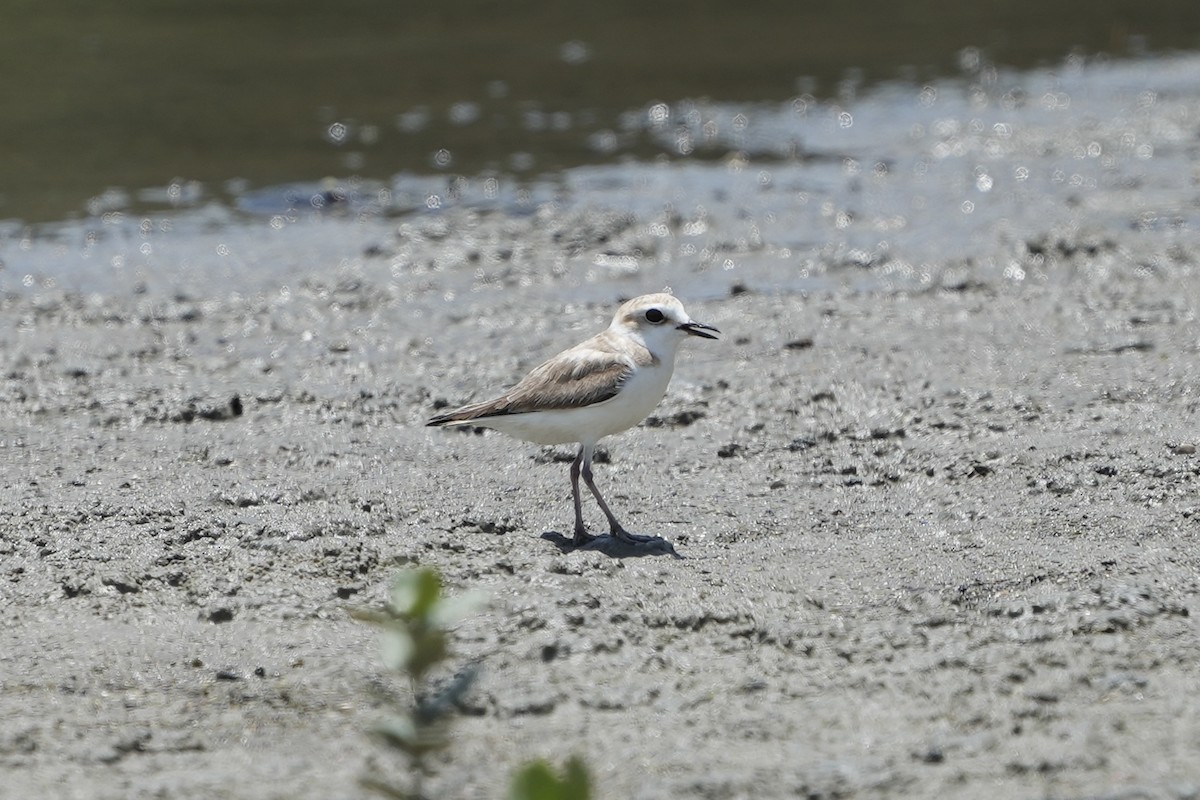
x=698, y=329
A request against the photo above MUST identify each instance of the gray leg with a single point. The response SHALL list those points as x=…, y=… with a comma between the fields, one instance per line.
x=618, y=532
x=581, y=534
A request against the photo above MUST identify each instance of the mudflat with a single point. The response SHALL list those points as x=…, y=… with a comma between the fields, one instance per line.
x=937, y=511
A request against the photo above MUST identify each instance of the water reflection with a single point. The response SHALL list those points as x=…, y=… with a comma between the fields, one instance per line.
x=143, y=96
x=921, y=173
x=932, y=185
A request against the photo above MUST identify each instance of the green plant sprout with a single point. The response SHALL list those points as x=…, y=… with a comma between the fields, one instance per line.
x=416, y=623
x=537, y=781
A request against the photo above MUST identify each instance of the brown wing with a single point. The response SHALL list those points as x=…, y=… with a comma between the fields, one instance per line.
x=579, y=377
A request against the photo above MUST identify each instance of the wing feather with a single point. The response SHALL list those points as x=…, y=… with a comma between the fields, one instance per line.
x=582, y=376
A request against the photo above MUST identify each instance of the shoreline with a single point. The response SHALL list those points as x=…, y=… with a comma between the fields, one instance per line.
x=938, y=520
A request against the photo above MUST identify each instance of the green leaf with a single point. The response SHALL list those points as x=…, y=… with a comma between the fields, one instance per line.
x=396, y=650
x=428, y=649
x=577, y=784
x=415, y=592
x=398, y=732
x=537, y=781
x=534, y=781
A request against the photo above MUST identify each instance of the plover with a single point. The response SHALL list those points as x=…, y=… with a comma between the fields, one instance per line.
x=600, y=387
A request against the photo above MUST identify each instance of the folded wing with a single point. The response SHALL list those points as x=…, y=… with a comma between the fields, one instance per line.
x=578, y=378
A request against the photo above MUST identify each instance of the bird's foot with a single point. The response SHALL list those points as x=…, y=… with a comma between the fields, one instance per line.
x=622, y=535
x=582, y=537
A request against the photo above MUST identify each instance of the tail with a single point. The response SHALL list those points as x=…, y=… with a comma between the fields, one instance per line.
x=459, y=416
x=472, y=413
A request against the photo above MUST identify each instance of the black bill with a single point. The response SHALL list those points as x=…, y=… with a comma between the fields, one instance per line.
x=698, y=329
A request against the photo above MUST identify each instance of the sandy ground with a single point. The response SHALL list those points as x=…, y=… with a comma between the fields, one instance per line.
x=938, y=529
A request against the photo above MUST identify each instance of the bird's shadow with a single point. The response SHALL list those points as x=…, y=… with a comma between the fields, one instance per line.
x=614, y=547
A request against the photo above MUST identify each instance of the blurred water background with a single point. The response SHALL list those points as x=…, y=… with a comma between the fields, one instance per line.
x=137, y=105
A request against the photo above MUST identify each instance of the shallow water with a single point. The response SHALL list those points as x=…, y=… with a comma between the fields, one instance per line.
x=899, y=186
x=139, y=106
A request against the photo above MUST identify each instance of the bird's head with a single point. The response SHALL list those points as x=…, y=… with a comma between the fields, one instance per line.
x=660, y=321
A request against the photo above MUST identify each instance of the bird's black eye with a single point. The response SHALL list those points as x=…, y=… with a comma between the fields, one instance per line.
x=654, y=316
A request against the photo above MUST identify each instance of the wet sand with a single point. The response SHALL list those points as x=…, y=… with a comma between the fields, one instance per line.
x=937, y=501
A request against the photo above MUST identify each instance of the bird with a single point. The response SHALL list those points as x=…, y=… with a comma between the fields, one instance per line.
x=597, y=388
